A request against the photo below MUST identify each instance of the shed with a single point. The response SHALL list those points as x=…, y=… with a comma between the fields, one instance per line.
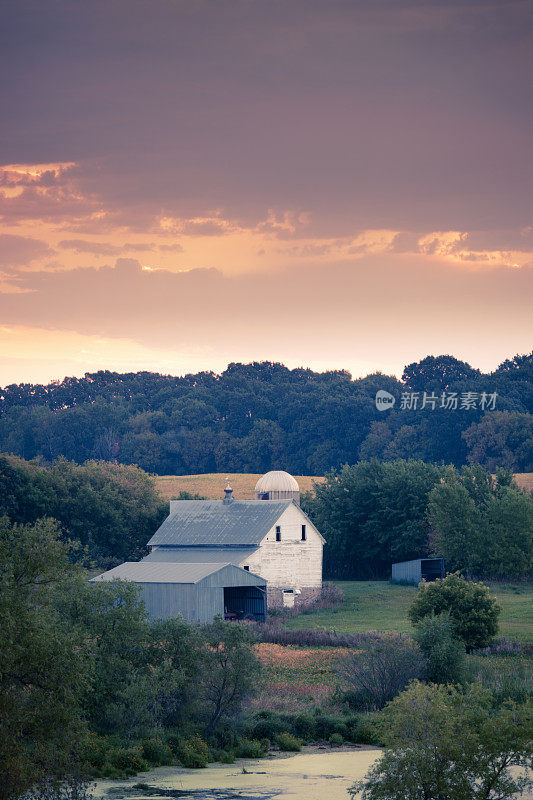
x=195, y=591
x=421, y=569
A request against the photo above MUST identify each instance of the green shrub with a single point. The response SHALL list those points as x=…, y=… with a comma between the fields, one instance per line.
x=227, y=757
x=194, y=753
x=443, y=652
x=228, y=737
x=304, y=727
x=127, y=758
x=173, y=740
x=336, y=739
x=250, y=748
x=156, y=751
x=308, y=727
x=362, y=731
x=267, y=726
x=286, y=741
x=96, y=750
x=473, y=611
x=110, y=772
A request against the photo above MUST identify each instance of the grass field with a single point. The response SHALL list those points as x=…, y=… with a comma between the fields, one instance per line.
x=382, y=606
x=211, y=485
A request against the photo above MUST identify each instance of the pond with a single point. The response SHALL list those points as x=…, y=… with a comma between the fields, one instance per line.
x=314, y=774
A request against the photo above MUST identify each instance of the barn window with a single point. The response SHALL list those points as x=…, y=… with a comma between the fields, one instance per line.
x=247, y=568
x=278, y=533
x=304, y=533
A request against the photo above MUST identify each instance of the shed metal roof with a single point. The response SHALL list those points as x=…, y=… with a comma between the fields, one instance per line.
x=213, y=522
x=166, y=572
x=190, y=555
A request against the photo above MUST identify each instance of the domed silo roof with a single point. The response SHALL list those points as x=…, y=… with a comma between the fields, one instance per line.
x=277, y=485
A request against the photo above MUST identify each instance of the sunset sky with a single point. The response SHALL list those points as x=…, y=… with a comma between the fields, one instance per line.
x=343, y=183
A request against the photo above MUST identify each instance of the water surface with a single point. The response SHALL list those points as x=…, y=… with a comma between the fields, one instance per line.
x=310, y=775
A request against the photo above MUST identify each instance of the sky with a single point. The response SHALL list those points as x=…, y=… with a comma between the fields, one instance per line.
x=331, y=184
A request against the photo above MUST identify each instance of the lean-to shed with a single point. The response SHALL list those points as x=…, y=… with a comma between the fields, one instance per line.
x=196, y=591
x=420, y=569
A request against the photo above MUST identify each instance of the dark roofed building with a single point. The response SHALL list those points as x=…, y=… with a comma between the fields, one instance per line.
x=203, y=523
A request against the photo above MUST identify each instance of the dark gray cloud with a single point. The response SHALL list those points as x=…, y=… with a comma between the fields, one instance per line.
x=399, y=114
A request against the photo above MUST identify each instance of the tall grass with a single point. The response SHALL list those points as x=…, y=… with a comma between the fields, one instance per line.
x=276, y=634
x=507, y=677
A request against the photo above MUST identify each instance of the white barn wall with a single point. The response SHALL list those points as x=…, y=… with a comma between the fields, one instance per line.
x=291, y=563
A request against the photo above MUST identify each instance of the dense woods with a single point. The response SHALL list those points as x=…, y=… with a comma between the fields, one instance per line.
x=261, y=416
x=375, y=513
x=108, y=511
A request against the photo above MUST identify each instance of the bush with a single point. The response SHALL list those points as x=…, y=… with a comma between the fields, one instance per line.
x=127, y=759
x=473, y=611
x=267, y=726
x=226, y=757
x=286, y=741
x=96, y=750
x=193, y=753
x=444, y=654
x=336, y=739
x=250, y=748
x=363, y=732
x=380, y=673
x=325, y=726
x=304, y=727
x=310, y=727
x=156, y=752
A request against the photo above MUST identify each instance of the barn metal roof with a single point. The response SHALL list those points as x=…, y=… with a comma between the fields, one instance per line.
x=189, y=555
x=214, y=522
x=161, y=572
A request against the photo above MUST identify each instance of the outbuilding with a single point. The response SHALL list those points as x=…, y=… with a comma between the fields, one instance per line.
x=196, y=591
x=420, y=569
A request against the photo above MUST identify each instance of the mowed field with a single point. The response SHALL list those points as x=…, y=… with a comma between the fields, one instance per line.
x=211, y=485
x=383, y=606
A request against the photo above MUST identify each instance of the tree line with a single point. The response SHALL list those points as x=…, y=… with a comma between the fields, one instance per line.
x=106, y=511
x=261, y=416
x=374, y=513
x=371, y=514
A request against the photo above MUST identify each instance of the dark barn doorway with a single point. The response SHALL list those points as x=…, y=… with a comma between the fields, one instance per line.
x=432, y=568
x=245, y=602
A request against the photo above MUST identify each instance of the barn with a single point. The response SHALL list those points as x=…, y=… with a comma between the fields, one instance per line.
x=270, y=536
x=230, y=557
x=197, y=592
